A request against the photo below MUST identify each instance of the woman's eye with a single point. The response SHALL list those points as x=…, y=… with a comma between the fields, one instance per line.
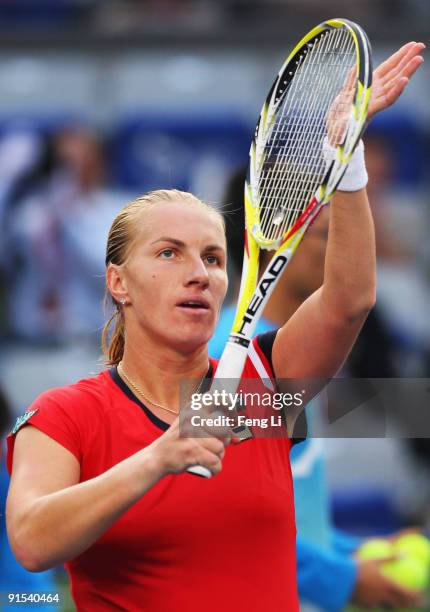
x=212, y=259
x=167, y=254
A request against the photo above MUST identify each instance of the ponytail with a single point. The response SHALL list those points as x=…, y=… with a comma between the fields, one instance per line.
x=113, y=344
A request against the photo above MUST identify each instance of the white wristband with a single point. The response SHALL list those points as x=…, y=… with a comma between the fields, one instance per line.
x=355, y=177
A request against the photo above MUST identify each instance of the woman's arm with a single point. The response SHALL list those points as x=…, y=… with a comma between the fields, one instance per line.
x=324, y=328
x=52, y=518
x=316, y=340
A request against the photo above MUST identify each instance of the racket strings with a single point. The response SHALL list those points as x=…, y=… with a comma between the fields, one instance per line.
x=312, y=122
x=294, y=164
x=278, y=183
x=307, y=182
x=281, y=187
x=276, y=136
x=297, y=154
x=291, y=189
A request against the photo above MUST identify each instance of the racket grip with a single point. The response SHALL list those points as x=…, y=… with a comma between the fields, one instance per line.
x=199, y=470
x=231, y=363
x=230, y=366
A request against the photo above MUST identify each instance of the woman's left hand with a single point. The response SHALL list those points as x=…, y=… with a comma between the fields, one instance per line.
x=392, y=76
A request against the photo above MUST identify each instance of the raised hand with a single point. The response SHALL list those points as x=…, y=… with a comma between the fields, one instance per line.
x=392, y=76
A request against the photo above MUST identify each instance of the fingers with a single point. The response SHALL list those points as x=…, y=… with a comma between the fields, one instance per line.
x=214, y=446
x=403, y=55
x=407, y=70
x=176, y=453
x=350, y=81
x=412, y=66
x=206, y=460
x=407, y=65
x=392, y=77
x=207, y=452
x=222, y=432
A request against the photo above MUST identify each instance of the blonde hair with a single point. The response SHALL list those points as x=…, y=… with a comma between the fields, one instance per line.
x=119, y=244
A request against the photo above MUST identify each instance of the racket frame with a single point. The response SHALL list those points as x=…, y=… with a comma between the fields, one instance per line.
x=254, y=294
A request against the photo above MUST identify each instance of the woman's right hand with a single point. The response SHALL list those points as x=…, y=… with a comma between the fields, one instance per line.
x=173, y=454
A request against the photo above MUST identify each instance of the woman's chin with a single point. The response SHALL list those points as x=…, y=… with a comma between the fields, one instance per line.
x=191, y=343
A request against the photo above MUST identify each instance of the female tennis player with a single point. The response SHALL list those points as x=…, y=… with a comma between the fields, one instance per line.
x=99, y=476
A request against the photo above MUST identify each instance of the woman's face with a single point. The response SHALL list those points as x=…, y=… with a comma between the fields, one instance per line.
x=175, y=276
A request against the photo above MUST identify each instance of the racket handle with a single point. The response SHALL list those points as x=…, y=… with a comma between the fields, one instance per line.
x=199, y=470
x=230, y=366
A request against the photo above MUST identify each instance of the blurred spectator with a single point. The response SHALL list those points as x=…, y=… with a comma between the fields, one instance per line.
x=400, y=223
x=58, y=220
x=30, y=241
x=88, y=212
x=18, y=151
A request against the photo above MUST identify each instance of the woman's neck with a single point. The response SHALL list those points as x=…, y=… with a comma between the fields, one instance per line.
x=163, y=374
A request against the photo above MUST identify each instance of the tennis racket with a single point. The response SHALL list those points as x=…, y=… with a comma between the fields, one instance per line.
x=309, y=126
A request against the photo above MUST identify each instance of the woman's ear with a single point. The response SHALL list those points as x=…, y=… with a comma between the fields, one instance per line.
x=116, y=283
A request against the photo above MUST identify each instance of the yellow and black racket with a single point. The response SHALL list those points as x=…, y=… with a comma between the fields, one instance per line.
x=309, y=126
